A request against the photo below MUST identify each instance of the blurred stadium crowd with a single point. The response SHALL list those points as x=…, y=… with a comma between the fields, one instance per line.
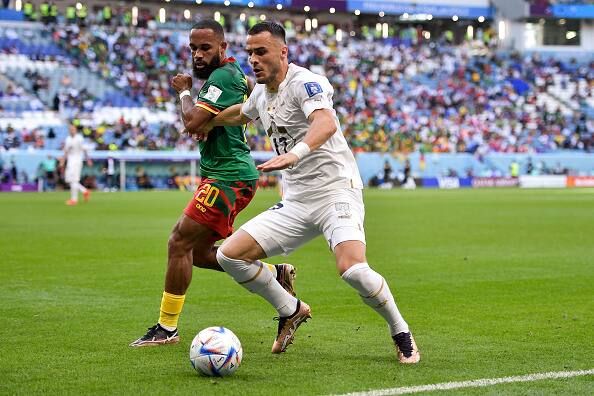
x=406, y=93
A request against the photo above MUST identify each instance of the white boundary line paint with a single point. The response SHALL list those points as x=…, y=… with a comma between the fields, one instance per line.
x=472, y=384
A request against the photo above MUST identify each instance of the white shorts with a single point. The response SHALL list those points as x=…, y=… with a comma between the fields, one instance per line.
x=73, y=171
x=338, y=214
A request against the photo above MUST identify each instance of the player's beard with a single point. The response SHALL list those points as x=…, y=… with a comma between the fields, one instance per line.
x=205, y=71
x=274, y=71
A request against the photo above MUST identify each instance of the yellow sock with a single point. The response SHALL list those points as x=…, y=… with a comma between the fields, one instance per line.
x=171, y=307
x=271, y=268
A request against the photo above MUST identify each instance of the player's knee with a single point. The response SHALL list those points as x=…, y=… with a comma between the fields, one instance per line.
x=241, y=246
x=348, y=254
x=225, y=261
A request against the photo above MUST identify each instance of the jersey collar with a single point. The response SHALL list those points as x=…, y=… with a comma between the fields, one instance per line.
x=228, y=60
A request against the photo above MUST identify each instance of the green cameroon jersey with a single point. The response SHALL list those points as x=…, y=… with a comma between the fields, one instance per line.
x=225, y=155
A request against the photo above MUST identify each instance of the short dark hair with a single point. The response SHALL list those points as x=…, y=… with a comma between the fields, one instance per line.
x=275, y=29
x=211, y=24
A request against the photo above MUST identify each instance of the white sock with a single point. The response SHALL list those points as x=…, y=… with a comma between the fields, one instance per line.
x=257, y=279
x=374, y=291
x=82, y=188
x=74, y=191
x=271, y=268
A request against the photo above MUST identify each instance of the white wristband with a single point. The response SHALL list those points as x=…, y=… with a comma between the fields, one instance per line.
x=184, y=93
x=301, y=149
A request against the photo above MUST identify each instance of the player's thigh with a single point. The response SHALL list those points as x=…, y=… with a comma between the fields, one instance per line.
x=340, y=216
x=283, y=228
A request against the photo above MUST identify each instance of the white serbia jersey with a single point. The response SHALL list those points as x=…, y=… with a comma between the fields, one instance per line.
x=74, y=147
x=284, y=116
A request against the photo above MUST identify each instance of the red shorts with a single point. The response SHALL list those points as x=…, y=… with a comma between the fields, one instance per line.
x=216, y=203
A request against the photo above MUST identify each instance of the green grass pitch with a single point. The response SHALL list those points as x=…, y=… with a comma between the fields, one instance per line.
x=493, y=283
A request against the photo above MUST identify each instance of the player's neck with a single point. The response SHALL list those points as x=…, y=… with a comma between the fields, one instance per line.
x=273, y=86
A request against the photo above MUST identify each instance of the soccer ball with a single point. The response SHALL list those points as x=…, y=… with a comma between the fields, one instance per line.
x=216, y=351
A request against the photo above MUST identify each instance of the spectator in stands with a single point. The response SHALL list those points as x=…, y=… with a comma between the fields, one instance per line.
x=71, y=14
x=56, y=102
x=28, y=11
x=413, y=97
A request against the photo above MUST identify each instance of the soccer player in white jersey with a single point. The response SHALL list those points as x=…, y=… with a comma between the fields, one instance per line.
x=74, y=154
x=322, y=191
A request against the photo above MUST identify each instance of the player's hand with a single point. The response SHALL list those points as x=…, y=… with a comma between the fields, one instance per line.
x=89, y=162
x=277, y=163
x=200, y=136
x=181, y=82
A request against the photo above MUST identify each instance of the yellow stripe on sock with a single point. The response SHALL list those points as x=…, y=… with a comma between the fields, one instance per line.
x=271, y=267
x=253, y=277
x=171, y=307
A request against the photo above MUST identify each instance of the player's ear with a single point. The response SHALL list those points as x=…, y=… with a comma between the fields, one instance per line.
x=222, y=49
x=284, y=52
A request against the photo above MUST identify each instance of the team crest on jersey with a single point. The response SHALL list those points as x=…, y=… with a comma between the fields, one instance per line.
x=313, y=88
x=213, y=94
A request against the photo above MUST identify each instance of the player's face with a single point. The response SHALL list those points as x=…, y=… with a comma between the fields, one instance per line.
x=266, y=55
x=207, y=51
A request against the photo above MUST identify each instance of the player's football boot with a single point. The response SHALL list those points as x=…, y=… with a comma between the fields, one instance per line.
x=157, y=335
x=287, y=326
x=407, y=348
x=285, y=275
x=87, y=195
x=71, y=202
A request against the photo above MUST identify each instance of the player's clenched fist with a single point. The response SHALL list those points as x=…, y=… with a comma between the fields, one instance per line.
x=181, y=82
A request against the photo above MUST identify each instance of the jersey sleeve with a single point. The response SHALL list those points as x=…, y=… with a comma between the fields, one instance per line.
x=249, y=108
x=220, y=91
x=313, y=94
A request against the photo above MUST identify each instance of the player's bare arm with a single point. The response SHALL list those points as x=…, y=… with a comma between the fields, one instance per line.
x=194, y=118
x=231, y=116
x=321, y=128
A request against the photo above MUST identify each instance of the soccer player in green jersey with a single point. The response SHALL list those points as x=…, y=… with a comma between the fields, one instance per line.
x=229, y=177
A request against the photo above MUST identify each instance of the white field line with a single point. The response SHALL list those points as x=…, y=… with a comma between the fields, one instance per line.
x=472, y=384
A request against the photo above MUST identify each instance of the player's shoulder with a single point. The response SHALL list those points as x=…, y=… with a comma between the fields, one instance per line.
x=308, y=81
x=302, y=74
x=258, y=90
x=229, y=71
